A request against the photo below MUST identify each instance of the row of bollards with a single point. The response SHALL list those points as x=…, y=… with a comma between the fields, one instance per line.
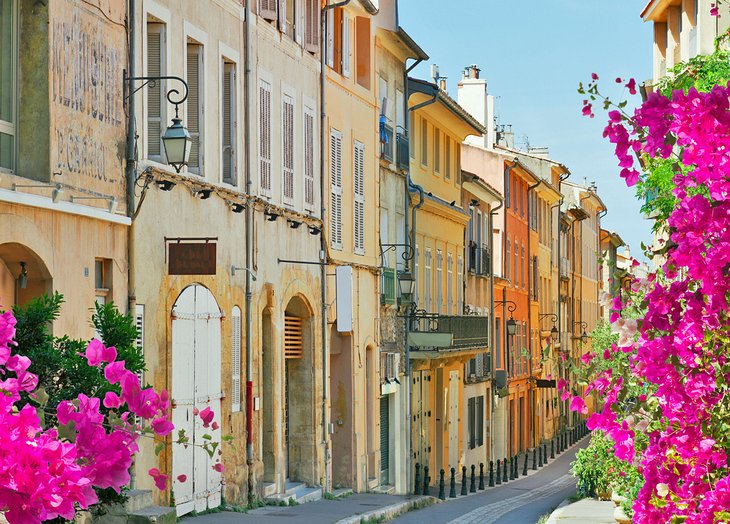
x=501, y=471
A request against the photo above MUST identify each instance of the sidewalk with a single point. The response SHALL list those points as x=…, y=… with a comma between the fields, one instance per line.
x=586, y=511
x=348, y=510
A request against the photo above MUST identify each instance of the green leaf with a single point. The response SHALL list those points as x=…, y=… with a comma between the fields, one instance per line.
x=159, y=447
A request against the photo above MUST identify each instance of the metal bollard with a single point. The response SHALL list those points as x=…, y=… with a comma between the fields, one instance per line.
x=504, y=470
x=417, y=486
x=452, y=490
x=463, y=480
x=534, y=459
x=473, y=484
x=442, y=492
x=481, y=476
x=511, y=468
x=544, y=453
x=517, y=466
x=524, y=467
x=426, y=480
x=552, y=449
x=539, y=456
x=491, y=473
x=499, y=473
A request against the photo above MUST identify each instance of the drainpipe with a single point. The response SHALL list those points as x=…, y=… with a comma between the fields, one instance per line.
x=507, y=173
x=249, y=250
x=493, y=328
x=530, y=292
x=322, y=238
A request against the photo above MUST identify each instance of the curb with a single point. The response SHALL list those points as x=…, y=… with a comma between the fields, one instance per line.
x=557, y=512
x=390, y=512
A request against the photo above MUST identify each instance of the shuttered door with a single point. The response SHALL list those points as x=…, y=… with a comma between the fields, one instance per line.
x=287, y=128
x=236, y=359
x=384, y=438
x=293, y=337
x=265, y=137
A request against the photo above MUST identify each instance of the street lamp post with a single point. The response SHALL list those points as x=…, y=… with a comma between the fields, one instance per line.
x=510, y=331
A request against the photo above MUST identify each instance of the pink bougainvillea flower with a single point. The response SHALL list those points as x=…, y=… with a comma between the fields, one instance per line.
x=588, y=357
x=115, y=371
x=714, y=10
x=112, y=400
x=109, y=354
x=182, y=478
x=594, y=76
x=94, y=352
x=631, y=85
x=578, y=404
x=206, y=415
x=159, y=478
x=218, y=467
x=162, y=426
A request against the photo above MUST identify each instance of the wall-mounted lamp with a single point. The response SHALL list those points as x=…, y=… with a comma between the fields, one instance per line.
x=23, y=277
x=293, y=223
x=236, y=207
x=407, y=285
x=165, y=185
x=511, y=326
x=55, y=195
x=584, y=336
x=112, y=201
x=554, y=333
x=271, y=216
x=236, y=268
x=203, y=194
x=314, y=230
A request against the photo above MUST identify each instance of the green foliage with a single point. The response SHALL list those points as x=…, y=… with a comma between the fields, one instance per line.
x=703, y=72
x=596, y=467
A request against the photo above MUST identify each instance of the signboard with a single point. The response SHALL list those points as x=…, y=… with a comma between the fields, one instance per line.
x=542, y=383
x=191, y=258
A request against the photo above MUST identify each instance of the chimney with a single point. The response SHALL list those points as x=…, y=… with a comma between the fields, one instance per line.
x=473, y=97
x=442, y=84
x=541, y=152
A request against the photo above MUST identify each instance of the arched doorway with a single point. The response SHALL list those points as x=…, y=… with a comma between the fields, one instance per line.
x=23, y=275
x=196, y=384
x=299, y=422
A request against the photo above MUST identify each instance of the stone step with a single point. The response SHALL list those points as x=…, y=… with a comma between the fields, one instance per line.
x=138, y=499
x=297, y=491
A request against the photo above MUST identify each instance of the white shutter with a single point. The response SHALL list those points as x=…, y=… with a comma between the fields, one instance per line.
x=282, y=15
x=155, y=94
x=236, y=359
x=228, y=117
x=450, y=283
x=194, y=106
x=459, y=285
x=267, y=9
x=439, y=280
x=265, y=137
x=427, y=282
x=359, y=217
x=331, y=38
x=308, y=159
x=336, y=189
x=311, y=22
x=346, y=44
x=287, y=131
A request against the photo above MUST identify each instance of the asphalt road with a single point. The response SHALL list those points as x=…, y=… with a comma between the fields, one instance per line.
x=520, y=501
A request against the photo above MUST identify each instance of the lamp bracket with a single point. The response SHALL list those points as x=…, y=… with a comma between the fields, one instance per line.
x=510, y=305
x=407, y=255
x=152, y=82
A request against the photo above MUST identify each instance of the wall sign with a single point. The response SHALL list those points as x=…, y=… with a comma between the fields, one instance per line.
x=191, y=258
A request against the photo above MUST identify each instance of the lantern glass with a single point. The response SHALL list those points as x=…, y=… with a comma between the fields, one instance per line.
x=177, y=142
x=406, y=282
x=511, y=326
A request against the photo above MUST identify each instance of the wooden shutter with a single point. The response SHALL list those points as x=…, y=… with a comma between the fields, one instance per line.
x=228, y=117
x=346, y=44
x=194, y=106
x=308, y=159
x=331, y=37
x=311, y=23
x=479, y=421
x=472, y=421
x=460, y=285
x=447, y=158
x=437, y=149
x=450, y=283
x=427, y=281
x=236, y=359
x=265, y=137
x=287, y=131
x=293, y=337
x=359, y=217
x=424, y=142
x=336, y=189
x=439, y=280
x=155, y=94
x=267, y=9
x=282, y=15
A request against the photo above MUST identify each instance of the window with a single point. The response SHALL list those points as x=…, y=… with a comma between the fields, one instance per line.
x=436, y=150
x=411, y=133
x=287, y=149
x=522, y=268
x=8, y=52
x=427, y=281
x=102, y=280
x=336, y=189
x=515, y=203
x=311, y=25
x=517, y=265
x=265, y=137
x=447, y=158
x=195, y=106
x=290, y=28
x=475, y=408
x=498, y=344
x=439, y=280
x=362, y=50
x=309, y=158
x=228, y=117
x=359, y=216
x=449, y=282
x=507, y=195
x=267, y=9
x=345, y=50
x=424, y=142
x=508, y=261
x=156, y=103
x=459, y=284
x=236, y=359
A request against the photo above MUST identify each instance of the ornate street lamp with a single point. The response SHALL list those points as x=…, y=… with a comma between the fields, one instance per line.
x=554, y=333
x=511, y=326
x=407, y=284
x=584, y=335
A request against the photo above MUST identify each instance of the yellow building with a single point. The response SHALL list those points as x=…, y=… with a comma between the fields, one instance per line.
x=353, y=254
x=441, y=338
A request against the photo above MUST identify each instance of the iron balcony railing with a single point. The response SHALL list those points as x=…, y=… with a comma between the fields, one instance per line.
x=467, y=331
x=402, y=159
x=388, y=287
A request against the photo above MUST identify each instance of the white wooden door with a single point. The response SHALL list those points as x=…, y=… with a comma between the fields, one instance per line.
x=454, y=386
x=196, y=383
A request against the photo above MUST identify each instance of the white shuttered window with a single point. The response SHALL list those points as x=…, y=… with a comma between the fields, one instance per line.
x=236, y=359
x=459, y=285
x=265, y=137
x=308, y=159
x=427, y=281
x=195, y=107
x=359, y=211
x=336, y=189
x=156, y=93
x=267, y=9
x=439, y=280
x=449, y=283
x=228, y=124
x=346, y=45
x=311, y=26
x=287, y=161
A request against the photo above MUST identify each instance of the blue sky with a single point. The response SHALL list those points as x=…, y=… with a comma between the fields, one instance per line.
x=533, y=53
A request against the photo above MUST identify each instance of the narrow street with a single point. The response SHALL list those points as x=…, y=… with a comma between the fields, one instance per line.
x=520, y=501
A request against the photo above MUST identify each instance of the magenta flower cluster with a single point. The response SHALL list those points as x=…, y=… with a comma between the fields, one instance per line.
x=679, y=350
x=49, y=473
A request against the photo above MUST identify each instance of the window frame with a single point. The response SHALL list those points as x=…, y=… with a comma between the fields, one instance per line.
x=10, y=127
x=229, y=67
x=200, y=133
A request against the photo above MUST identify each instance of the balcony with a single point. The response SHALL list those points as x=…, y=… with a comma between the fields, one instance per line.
x=388, y=286
x=401, y=143
x=386, y=142
x=448, y=333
